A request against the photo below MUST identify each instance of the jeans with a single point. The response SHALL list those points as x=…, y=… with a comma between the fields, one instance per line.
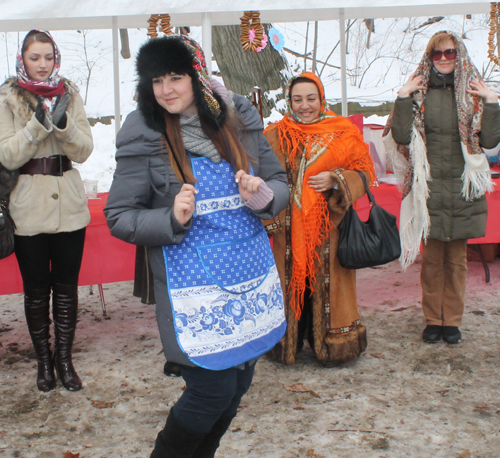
x=210, y=395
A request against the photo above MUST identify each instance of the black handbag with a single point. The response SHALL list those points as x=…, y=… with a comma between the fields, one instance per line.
x=371, y=243
x=7, y=227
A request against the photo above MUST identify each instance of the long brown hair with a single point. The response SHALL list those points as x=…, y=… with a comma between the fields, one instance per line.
x=224, y=137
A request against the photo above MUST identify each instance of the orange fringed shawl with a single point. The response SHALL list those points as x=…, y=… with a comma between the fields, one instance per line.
x=333, y=141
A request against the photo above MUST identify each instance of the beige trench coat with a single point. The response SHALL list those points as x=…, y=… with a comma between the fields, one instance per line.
x=44, y=203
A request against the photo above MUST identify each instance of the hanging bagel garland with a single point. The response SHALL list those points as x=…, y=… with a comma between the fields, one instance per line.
x=164, y=20
x=251, y=21
x=153, y=25
x=494, y=31
x=166, y=28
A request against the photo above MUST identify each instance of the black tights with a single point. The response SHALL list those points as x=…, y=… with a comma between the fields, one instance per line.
x=46, y=259
x=305, y=325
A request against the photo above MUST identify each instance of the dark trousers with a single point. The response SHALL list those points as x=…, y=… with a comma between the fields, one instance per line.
x=46, y=259
x=210, y=395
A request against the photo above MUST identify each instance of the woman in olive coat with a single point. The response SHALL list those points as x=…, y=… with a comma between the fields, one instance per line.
x=442, y=117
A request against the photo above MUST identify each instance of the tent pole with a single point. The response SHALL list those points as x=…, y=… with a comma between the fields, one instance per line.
x=343, y=71
x=206, y=40
x=116, y=73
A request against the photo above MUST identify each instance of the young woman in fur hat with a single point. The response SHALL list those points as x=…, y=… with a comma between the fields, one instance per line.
x=442, y=117
x=194, y=177
x=43, y=128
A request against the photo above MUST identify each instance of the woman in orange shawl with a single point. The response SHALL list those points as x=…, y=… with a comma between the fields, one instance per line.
x=320, y=152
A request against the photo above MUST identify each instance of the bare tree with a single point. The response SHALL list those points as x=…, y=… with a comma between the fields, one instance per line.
x=87, y=53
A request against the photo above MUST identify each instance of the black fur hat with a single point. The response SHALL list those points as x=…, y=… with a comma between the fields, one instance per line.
x=165, y=55
x=160, y=56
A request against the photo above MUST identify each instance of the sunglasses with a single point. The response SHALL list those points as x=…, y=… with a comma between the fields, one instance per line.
x=449, y=54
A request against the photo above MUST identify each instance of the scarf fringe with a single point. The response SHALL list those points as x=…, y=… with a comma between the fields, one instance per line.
x=475, y=183
x=409, y=251
x=415, y=221
x=396, y=159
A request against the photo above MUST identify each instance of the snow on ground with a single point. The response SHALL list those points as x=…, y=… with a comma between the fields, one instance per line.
x=401, y=398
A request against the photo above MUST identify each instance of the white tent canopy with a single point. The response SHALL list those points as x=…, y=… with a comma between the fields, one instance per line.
x=123, y=14
x=97, y=14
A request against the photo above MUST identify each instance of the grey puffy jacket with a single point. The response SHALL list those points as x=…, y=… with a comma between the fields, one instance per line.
x=139, y=207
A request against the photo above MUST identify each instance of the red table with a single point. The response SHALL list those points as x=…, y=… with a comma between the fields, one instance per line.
x=105, y=258
x=388, y=197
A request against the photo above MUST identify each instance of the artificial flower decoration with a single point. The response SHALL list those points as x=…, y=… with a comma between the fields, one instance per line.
x=263, y=43
x=277, y=39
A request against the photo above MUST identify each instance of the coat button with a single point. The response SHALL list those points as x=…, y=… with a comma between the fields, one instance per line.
x=55, y=196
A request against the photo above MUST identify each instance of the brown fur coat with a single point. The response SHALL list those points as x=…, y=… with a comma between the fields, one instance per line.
x=338, y=333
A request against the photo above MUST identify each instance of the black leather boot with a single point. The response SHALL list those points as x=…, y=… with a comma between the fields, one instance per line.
x=65, y=310
x=36, y=308
x=174, y=441
x=210, y=443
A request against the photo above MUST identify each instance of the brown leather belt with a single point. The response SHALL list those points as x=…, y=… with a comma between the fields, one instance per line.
x=53, y=165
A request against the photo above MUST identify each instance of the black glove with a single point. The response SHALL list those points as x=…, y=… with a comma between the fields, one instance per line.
x=40, y=111
x=59, y=117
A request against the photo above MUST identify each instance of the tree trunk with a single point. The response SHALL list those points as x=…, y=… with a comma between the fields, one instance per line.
x=241, y=71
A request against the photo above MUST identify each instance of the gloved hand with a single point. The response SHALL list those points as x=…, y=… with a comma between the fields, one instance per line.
x=59, y=117
x=40, y=111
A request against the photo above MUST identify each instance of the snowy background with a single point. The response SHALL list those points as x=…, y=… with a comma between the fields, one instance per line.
x=378, y=64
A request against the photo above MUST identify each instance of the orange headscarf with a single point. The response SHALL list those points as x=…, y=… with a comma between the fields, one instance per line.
x=328, y=142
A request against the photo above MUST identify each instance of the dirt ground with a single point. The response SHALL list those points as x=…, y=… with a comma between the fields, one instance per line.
x=401, y=398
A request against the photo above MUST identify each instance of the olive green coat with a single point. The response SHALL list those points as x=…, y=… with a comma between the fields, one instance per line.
x=452, y=217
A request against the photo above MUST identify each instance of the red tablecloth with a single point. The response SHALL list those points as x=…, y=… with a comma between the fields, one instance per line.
x=105, y=258
x=388, y=197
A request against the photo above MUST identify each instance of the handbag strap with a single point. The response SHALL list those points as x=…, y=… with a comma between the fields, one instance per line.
x=338, y=171
x=368, y=192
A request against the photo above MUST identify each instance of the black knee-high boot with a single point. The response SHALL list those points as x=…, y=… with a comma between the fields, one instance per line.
x=211, y=441
x=65, y=310
x=36, y=308
x=174, y=441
